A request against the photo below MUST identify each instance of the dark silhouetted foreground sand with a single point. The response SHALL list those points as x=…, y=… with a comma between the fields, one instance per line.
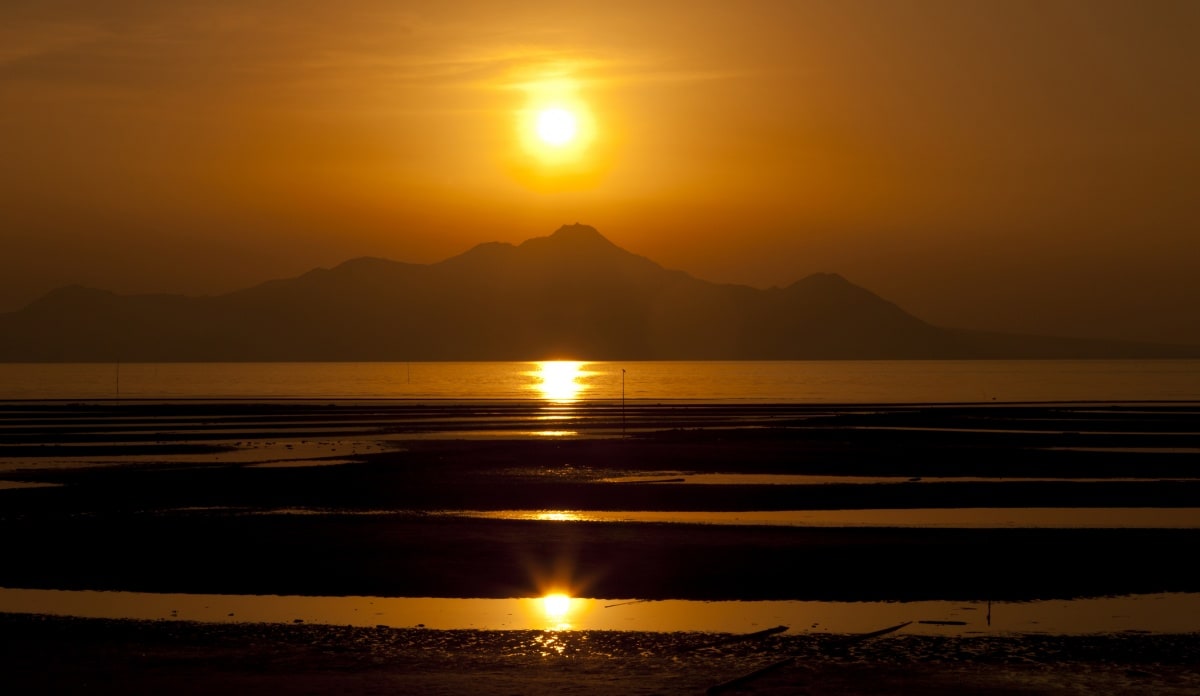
x=56, y=655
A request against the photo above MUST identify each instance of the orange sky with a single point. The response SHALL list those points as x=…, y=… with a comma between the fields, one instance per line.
x=1019, y=166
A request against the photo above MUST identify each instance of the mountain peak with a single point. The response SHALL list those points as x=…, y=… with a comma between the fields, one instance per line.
x=578, y=231
x=575, y=236
x=577, y=242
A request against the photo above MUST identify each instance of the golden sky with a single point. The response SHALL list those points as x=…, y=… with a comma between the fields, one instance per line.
x=1007, y=164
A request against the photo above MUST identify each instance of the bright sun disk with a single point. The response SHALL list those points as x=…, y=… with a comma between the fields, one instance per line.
x=556, y=126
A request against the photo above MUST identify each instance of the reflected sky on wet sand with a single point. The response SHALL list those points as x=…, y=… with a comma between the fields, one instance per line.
x=957, y=518
x=1161, y=613
x=562, y=387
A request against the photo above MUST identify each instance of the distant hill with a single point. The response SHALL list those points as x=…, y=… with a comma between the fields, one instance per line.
x=572, y=294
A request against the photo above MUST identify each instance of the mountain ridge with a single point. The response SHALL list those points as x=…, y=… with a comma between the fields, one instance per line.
x=572, y=294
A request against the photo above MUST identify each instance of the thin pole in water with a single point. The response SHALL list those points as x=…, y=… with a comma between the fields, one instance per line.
x=622, y=402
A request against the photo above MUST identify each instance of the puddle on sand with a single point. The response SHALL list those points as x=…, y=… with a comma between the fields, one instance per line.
x=951, y=518
x=10, y=485
x=1157, y=613
x=238, y=452
x=814, y=479
x=299, y=463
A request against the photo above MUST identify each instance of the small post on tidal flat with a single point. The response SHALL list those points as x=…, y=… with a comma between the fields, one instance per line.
x=622, y=402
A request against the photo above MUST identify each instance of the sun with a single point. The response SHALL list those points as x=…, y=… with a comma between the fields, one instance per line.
x=557, y=126
x=558, y=132
x=559, y=145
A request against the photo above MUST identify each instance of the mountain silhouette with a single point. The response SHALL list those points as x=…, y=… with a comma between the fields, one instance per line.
x=573, y=294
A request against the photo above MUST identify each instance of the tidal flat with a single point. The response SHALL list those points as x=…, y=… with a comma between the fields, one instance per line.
x=226, y=498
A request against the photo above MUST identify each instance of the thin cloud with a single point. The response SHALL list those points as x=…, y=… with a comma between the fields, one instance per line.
x=28, y=41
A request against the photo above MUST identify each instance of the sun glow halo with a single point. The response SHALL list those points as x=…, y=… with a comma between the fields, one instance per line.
x=556, y=132
x=559, y=144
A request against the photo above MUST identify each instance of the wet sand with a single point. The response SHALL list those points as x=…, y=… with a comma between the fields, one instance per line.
x=58, y=655
x=173, y=498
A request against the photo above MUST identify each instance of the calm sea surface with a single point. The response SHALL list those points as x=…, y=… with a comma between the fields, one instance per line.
x=907, y=381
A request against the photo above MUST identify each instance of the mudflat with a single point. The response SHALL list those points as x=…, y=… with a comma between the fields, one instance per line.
x=352, y=498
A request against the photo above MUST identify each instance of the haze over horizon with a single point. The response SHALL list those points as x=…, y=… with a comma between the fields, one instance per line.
x=1010, y=166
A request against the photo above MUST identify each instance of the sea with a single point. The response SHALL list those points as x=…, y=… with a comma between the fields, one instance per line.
x=805, y=381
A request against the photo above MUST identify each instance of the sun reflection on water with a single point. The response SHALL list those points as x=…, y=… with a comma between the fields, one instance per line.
x=560, y=380
x=557, y=516
x=557, y=607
